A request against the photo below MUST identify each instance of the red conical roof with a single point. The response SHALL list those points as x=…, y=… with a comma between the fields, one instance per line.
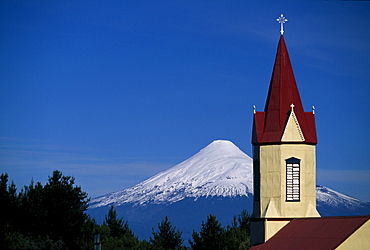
x=283, y=91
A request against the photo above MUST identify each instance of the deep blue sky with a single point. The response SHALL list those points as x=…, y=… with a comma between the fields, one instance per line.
x=113, y=92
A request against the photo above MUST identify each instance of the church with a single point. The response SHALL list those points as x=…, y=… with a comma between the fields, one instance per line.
x=284, y=170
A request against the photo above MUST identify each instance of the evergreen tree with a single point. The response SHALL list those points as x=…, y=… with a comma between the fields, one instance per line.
x=116, y=234
x=90, y=228
x=33, y=213
x=8, y=218
x=211, y=235
x=116, y=226
x=42, y=217
x=244, y=220
x=65, y=204
x=54, y=212
x=238, y=233
x=167, y=236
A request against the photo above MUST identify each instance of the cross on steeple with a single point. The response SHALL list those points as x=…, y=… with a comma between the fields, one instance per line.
x=282, y=20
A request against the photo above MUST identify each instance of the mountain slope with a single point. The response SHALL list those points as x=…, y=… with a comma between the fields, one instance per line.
x=217, y=180
x=333, y=203
x=220, y=169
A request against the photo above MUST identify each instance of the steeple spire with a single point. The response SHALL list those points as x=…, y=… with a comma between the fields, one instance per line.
x=284, y=154
x=283, y=91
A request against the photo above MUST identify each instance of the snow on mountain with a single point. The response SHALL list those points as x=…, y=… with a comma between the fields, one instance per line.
x=333, y=203
x=221, y=169
x=217, y=180
x=334, y=198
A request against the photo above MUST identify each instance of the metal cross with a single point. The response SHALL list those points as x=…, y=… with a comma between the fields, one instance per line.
x=282, y=20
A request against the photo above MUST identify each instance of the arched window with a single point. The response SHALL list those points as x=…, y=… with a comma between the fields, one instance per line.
x=293, y=179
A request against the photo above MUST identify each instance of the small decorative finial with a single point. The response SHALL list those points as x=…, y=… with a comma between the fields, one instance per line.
x=254, y=109
x=313, y=109
x=292, y=106
x=282, y=20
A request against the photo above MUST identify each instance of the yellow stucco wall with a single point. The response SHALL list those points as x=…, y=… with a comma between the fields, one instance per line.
x=272, y=227
x=272, y=169
x=360, y=239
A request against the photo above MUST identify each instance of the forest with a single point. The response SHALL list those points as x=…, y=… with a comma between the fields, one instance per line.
x=53, y=216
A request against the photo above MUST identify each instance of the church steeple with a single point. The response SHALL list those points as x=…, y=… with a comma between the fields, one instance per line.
x=283, y=92
x=284, y=153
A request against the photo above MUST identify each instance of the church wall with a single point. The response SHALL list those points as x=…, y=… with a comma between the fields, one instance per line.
x=264, y=229
x=256, y=182
x=272, y=169
x=257, y=232
x=272, y=227
x=360, y=239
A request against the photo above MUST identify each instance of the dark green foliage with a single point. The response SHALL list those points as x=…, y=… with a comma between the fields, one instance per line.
x=65, y=205
x=89, y=229
x=211, y=235
x=22, y=242
x=244, y=220
x=51, y=216
x=167, y=236
x=54, y=217
x=8, y=218
x=116, y=234
x=115, y=225
x=33, y=212
x=56, y=210
x=238, y=233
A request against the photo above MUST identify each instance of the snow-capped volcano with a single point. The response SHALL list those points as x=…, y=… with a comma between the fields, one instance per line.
x=217, y=180
x=220, y=169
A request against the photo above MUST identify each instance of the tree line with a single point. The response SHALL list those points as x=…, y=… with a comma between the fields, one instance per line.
x=53, y=216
